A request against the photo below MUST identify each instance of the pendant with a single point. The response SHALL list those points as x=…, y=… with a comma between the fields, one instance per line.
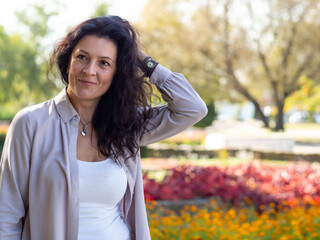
x=83, y=132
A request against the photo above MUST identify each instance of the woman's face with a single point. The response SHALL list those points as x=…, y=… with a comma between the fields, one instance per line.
x=91, y=70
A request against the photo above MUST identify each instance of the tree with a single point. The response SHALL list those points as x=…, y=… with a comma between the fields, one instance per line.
x=18, y=72
x=281, y=48
x=257, y=49
x=22, y=61
x=36, y=18
x=101, y=10
x=169, y=37
x=307, y=98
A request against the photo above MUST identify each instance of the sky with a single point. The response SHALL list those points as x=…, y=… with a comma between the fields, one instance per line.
x=74, y=12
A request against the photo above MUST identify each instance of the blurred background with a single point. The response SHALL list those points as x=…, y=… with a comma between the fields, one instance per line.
x=252, y=62
x=256, y=64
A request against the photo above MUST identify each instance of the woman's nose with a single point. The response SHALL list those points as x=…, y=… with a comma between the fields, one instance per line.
x=89, y=70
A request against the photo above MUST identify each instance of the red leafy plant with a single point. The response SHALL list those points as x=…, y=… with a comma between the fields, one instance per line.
x=253, y=183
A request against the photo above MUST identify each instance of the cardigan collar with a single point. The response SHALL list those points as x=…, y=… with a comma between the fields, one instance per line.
x=64, y=106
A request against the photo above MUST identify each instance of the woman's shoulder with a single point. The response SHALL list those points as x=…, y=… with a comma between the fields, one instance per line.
x=27, y=118
x=35, y=110
x=33, y=113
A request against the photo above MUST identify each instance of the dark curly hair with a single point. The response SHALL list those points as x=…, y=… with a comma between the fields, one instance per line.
x=124, y=109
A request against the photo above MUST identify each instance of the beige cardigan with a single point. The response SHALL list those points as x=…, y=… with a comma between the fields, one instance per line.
x=39, y=182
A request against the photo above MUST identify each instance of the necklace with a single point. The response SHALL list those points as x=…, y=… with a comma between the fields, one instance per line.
x=84, y=129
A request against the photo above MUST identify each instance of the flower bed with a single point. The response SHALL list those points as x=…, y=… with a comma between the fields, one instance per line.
x=276, y=222
x=254, y=183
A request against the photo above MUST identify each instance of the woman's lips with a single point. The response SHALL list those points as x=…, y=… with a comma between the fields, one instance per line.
x=86, y=83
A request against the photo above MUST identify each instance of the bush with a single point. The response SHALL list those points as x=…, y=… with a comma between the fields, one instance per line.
x=6, y=115
x=208, y=119
x=252, y=183
x=2, y=138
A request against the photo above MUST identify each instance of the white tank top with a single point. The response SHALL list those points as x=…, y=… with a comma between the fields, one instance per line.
x=101, y=187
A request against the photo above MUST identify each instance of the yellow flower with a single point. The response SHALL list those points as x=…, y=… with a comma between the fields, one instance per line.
x=272, y=205
x=214, y=223
x=262, y=234
x=193, y=208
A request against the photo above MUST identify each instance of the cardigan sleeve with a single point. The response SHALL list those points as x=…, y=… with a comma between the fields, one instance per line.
x=14, y=172
x=184, y=107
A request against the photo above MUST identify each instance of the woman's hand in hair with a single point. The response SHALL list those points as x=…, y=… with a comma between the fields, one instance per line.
x=141, y=56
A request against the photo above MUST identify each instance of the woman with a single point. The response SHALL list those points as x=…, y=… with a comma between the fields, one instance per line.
x=70, y=167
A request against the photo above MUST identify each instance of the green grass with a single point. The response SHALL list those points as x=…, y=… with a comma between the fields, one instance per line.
x=231, y=161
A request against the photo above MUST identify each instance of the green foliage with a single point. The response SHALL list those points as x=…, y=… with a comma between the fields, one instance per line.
x=36, y=18
x=307, y=98
x=22, y=65
x=190, y=142
x=2, y=138
x=208, y=119
x=174, y=42
x=18, y=71
x=101, y=10
x=6, y=115
x=226, y=58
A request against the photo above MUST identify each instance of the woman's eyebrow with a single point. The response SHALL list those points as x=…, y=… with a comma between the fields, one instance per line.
x=81, y=50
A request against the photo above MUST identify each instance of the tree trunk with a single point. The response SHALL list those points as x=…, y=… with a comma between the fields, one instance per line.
x=237, y=86
x=280, y=117
x=260, y=115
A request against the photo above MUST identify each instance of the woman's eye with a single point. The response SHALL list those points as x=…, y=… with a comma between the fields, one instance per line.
x=81, y=57
x=105, y=63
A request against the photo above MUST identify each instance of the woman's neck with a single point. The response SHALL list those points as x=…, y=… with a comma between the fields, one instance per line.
x=84, y=108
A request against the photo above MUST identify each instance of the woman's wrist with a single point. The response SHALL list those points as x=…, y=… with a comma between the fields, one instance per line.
x=148, y=66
